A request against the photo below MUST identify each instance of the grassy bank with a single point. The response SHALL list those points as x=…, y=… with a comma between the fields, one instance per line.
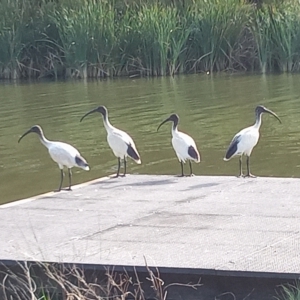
x=91, y=38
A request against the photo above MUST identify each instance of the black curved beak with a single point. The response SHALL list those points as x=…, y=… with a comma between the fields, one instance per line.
x=28, y=131
x=165, y=121
x=273, y=114
x=88, y=113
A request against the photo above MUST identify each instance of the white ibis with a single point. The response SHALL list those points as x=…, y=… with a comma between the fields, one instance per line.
x=184, y=146
x=119, y=141
x=63, y=154
x=245, y=140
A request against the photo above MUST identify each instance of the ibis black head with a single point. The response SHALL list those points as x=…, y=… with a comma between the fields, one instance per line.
x=36, y=129
x=100, y=109
x=261, y=109
x=173, y=118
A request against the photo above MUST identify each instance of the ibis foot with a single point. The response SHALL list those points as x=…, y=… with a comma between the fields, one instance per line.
x=64, y=189
x=191, y=175
x=240, y=176
x=57, y=191
x=249, y=176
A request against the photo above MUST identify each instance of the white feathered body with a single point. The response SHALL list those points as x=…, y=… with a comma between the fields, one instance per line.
x=65, y=155
x=181, y=143
x=244, y=141
x=118, y=141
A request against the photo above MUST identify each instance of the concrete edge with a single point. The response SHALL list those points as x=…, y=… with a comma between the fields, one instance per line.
x=162, y=270
x=75, y=187
x=80, y=185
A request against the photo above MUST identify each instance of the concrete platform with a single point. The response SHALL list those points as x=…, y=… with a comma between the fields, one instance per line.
x=202, y=225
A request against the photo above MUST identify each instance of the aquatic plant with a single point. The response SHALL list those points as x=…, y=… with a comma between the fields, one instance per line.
x=216, y=29
x=79, y=38
x=285, y=23
x=161, y=34
x=14, y=21
x=72, y=20
x=24, y=48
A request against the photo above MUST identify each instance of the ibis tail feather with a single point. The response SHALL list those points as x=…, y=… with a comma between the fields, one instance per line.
x=231, y=150
x=193, y=153
x=132, y=153
x=81, y=162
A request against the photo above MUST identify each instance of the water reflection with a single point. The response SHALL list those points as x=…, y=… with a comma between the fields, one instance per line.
x=211, y=109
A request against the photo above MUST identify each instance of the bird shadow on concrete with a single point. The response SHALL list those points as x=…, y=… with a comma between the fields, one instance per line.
x=142, y=183
x=153, y=182
x=200, y=186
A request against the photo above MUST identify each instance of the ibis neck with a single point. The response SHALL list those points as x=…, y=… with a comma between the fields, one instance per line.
x=258, y=120
x=106, y=123
x=175, y=127
x=43, y=140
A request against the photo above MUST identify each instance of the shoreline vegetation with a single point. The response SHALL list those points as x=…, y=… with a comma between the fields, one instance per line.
x=55, y=281
x=58, y=281
x=108, y=38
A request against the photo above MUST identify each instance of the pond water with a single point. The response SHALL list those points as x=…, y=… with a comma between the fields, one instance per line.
x=211, y=108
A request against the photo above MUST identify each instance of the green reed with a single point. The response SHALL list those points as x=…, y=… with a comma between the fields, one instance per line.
x=72, y=20
x=285, y=24
x=160, y=36
x=261, y=30
x=13, y=36
x=103, y=54
x=275, y=32
x=92, y=38
x=217, y=27
x=25, y=50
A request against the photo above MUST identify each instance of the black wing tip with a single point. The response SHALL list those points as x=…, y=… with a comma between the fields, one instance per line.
x=132, y=153
x=228, y=156
x=80, y=161
x=231, y=151
x=193, y=153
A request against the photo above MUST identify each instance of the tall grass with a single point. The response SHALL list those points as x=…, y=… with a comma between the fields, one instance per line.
x=14, y=21
x=86, y=34
x=217, y=27
x=92, y=38
x=25, y=50
x=260, y=28
x=285, y=24
x=160, y=34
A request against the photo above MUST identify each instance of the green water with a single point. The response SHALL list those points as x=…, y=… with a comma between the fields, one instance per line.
x=211, y=108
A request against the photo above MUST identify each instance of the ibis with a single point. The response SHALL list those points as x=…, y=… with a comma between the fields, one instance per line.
x=184, y=145
x=119, y=141
x=63, y=154
x=245, y=140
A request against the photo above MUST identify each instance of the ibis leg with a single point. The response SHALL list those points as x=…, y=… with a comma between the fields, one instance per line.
x=248, y=168
x=191, y=170
x=70, y=180
x=119, y=167
x=181, y=163
x=125, y=166
x=241, y=168
x=61, y=180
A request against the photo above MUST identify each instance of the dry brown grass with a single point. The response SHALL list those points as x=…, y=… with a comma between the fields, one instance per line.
x=48, y=281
